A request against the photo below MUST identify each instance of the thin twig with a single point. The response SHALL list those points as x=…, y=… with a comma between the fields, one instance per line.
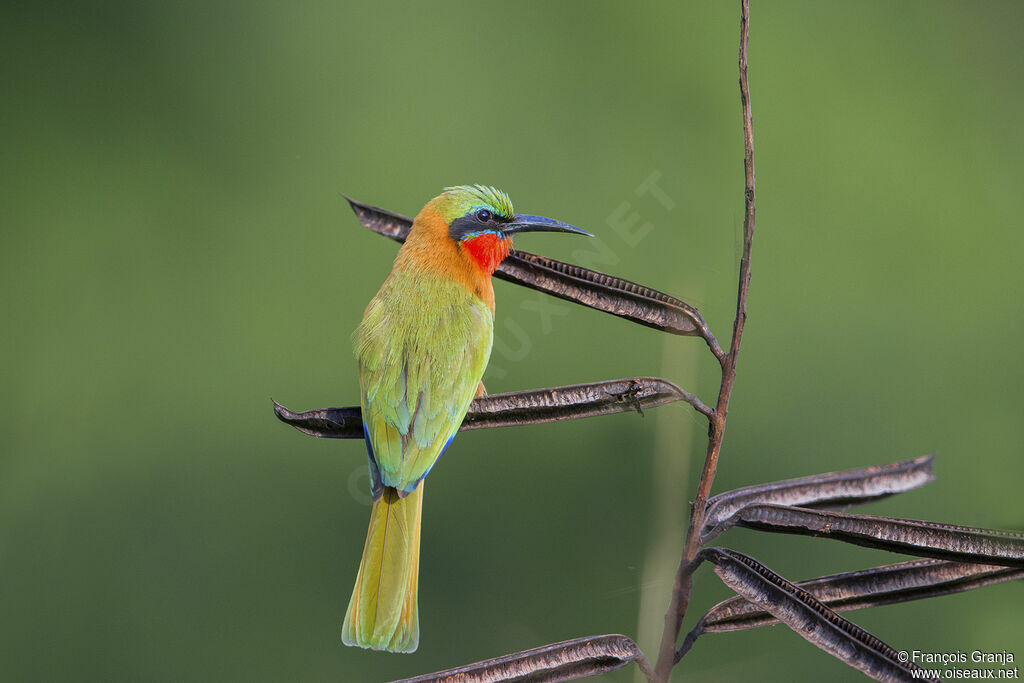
x=681, y=586
x=714, y=346
x=644, y=665
x=688, y=642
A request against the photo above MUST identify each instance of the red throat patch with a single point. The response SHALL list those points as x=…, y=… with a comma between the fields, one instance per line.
x=488, y=250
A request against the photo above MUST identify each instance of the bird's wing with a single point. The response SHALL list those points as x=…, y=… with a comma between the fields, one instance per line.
x=419, y=371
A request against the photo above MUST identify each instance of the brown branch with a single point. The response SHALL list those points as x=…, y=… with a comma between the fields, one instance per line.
x=535, y=406
x=885, y=585
x=811, y=619
x=564, y=661
x=681, y=586
x=850, y=487
x=593, y=289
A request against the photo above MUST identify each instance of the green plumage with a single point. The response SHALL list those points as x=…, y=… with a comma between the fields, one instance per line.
x=383, y=613
x=422, y=348
x=465, y=198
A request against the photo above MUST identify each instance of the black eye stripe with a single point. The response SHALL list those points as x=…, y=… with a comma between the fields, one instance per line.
x=474, y=222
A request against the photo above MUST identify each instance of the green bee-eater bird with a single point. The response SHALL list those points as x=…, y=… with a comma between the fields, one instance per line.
x=422, y=348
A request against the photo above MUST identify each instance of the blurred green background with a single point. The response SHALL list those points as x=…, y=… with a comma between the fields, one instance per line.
x=176, y=251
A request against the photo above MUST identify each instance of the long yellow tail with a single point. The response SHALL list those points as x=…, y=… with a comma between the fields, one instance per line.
x=383, y=613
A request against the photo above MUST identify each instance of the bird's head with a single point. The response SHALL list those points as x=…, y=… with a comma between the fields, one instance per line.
x=481, y=221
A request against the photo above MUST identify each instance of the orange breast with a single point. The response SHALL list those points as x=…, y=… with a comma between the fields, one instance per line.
x=470, y=263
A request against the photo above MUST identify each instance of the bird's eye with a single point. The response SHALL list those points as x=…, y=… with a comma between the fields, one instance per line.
x=483, y=215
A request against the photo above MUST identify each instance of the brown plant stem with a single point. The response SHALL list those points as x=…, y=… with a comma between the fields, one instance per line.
x=681, y=586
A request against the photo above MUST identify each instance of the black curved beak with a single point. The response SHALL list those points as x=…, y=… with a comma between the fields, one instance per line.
x=522, y=222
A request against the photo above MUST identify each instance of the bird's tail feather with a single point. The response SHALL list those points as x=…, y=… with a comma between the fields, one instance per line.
x=383, y=613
